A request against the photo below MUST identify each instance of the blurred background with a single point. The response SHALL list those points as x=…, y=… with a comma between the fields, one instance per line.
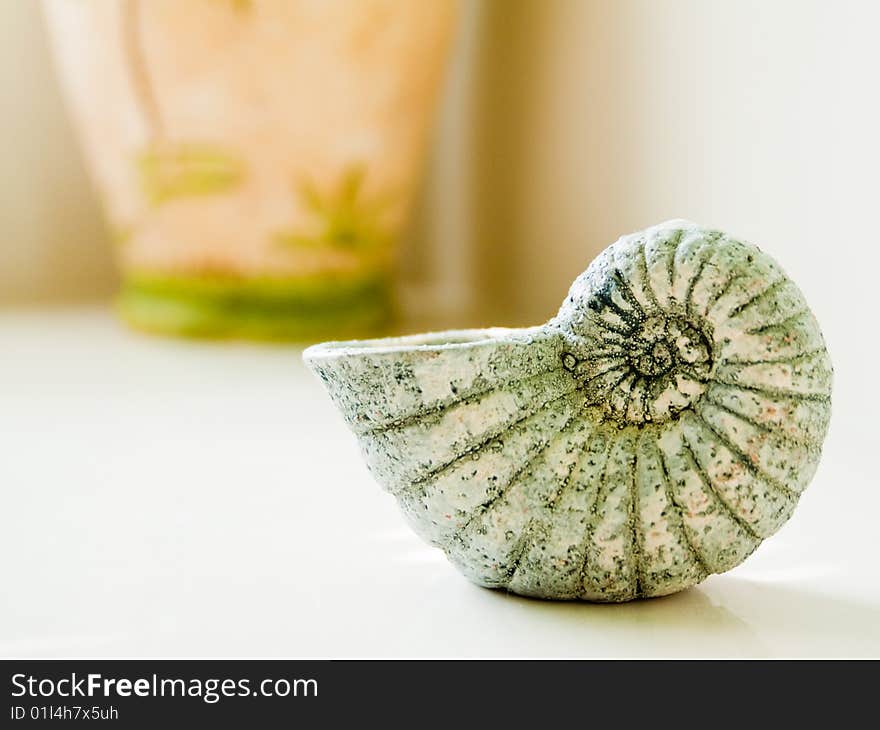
x=520, y=137
x=562, y=124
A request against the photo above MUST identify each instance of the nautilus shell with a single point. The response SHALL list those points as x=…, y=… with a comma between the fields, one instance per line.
x=654, y=432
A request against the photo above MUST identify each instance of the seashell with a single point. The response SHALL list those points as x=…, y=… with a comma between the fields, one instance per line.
x=654, y=432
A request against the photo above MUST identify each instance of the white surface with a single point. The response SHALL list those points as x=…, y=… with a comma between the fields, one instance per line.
x=166, y=498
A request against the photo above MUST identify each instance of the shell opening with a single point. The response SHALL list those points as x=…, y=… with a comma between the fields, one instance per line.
x=428, y=341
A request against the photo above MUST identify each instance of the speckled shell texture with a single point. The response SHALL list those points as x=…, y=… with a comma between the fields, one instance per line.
x=654, y=432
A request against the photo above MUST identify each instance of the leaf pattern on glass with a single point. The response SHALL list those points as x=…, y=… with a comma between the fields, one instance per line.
x=239, y=6
x=344, y=218
x=187, y=170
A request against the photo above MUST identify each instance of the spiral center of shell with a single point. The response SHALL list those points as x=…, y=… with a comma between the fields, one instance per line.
x=647, y=370
x=662, y=343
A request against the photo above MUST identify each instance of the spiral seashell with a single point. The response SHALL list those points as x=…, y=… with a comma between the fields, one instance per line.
x=654, y=432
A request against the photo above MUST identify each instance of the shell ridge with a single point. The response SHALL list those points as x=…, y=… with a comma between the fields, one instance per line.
x=762, y=504
x=590, y=530
x=626, y=315
x=602, y=355
x=704, y=262
x=783, y=323
x=773, y=392
x=431, y=501
x=460, y=399
x=514, y=478
x=642, y=263
x=636, y=541
x=519, y=551
x=627, y=293
x=780, y=434
x=620, y=380
x=400, y=458
x=566, y=481
x=598, y=375
x=784, y=359
x=710, y=486
x=646, y=408
x=718, y=538
x=546, y=520
x=465, y=536
x=722, y=292
x=493, y=435
x=629, y=394
x=812, y=421
x=755, y=298
x=693, y=374
x=743, y=458
x=614, y=572
x=670, y=261
x=675, y=508
x=605, y=324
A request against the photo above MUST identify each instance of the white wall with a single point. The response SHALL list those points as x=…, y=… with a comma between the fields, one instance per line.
x=758, y=116
x=53, y=246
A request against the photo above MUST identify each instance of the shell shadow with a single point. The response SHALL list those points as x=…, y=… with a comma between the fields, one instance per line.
x=803, y=622
x=689, y=623
x=724, y=617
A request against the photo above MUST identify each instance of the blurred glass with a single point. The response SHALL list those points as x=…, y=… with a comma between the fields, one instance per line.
x=256, y=159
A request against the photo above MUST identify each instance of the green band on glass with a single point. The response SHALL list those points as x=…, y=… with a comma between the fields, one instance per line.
x=303, y=310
